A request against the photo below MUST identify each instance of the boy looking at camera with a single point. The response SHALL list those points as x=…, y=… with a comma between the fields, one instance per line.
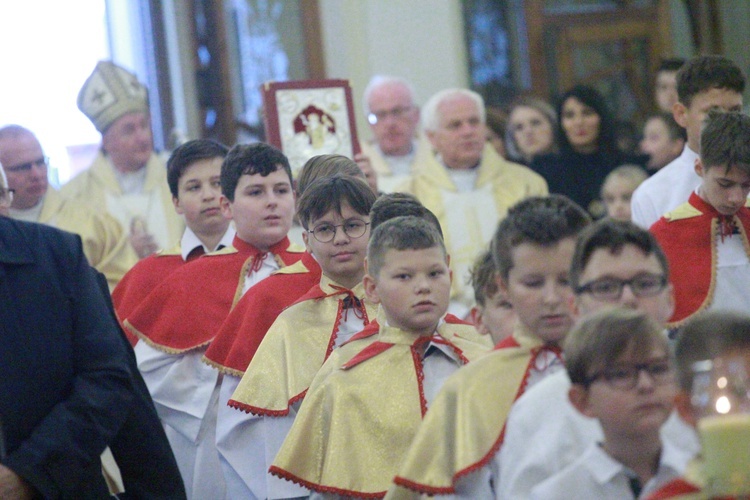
x=179, y=319
x=378, y=386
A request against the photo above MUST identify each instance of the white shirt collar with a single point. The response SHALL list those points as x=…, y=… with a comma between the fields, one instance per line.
x=190, y=241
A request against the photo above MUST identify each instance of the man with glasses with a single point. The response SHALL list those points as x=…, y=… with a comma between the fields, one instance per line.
x=615, y=264
x=466, y=184
x=34, y=200
x=393, y=116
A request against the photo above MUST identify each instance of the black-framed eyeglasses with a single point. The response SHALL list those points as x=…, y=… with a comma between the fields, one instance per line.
x=353, y=228
x=25, y=167
x=378, y=116
x=6, y=196
x=610, y=289
x=626, y=377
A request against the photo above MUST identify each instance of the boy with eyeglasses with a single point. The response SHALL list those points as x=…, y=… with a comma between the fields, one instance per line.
x=334, y=212
x=616, y=263
x=706, y=239
x=618, y=362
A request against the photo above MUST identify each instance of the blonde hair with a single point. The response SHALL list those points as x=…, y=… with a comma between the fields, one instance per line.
x=628, y=172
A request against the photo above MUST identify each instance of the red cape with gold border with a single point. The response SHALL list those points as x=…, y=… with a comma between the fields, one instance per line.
x=247, y=324
x=185, y=311
x=688, y=235
x=140, y=281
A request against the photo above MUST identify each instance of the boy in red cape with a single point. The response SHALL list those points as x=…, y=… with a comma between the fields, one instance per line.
x=706, y=239
x=193, y=175
x=179, y=319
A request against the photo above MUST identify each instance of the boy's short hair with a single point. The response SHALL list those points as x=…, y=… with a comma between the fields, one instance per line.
x=612, y=235
x=251, y=159
x=724, y=141
x=187, y=154
x=542, y=221
x=633, y=173
x=483, y=278
x=330, y=193
x=708, y=336
x=326, y=166
x=705, y=73
x=391, y=205
x=670, y=64
x=402, y=233
x=602, y=338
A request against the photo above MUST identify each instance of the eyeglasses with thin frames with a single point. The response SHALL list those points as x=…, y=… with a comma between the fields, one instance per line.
x=378, y=116
x=610, y=289
x=625, y=377
x=353, y=228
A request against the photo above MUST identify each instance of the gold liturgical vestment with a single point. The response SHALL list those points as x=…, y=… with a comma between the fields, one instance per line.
x=363, y=409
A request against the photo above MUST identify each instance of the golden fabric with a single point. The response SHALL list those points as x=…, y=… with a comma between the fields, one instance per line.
x=387, y=181
x=463, y=429
x=99, y=187
x=102, y=236
x=362, y=411
x=469, y=220
x=293, y=350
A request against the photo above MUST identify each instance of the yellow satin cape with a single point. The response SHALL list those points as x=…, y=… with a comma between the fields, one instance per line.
x=362, y=411
x=293, y=350
x=464, y=427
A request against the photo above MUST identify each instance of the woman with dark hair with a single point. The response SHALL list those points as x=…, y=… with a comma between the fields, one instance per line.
x=588, y=149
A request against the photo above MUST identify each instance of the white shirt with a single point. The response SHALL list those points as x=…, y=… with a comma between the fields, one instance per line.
x=596, y=475
x=732, y=275
x=665, y=190
x=248, y=443
x=190, y=241
x=545, y=433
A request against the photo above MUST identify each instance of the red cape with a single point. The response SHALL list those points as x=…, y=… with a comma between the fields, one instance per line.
x=244, y=329
x=688, y=237
x=187, y=308
x=139, y=282
x=674, y=488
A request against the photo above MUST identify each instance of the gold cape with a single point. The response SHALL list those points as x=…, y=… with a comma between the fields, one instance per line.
x=465, y=425
x=508, y=184
x=98, y=182
x=294, y=349
x=387, y=182
x=104, y=245
x=362, y=411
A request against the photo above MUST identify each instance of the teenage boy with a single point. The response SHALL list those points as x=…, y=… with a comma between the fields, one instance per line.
x=616, y=263
x=335, y=213
x=714, y=336
x=366, y=403
x=705, y=239
x=532, y=250
x=665, y=89
x=703, y=84
x=619, y=364
x=193, y=175
x=243, y=330
x=178, y=320
x=663, y=140
x=493, y=315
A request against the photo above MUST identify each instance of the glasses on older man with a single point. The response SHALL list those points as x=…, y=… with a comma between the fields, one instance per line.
x=42, y=162
x=6, y=197
x=378, y=116
x=353, y=228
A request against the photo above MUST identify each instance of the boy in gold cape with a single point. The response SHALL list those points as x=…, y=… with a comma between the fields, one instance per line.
x=367, y=401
